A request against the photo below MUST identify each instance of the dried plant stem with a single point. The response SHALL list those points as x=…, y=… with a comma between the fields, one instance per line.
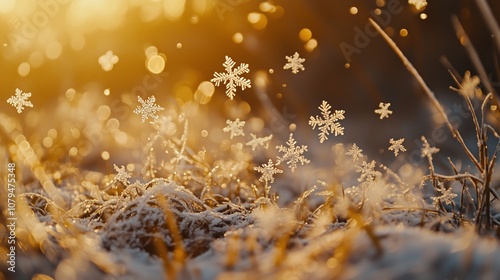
x=490, y=20
x=430, y=94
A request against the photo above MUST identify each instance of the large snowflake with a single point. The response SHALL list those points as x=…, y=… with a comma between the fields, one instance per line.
x=294, y=63
x=268, y=171
x=19, y=100
x=328, y=123
x=292, y=154
x=148, y=108
x=231, y=78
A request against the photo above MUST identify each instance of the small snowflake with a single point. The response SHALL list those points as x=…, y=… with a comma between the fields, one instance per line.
x=108, y=60
x=148, y=108
x=383, y=110
x=234, y=127
x=232, y=78
x=446, y=195
x=469, y=85
x=397, y=146
x=419, y=4
x=122, y=175
x=427, y=150
x=368, y=173
x=292, y=154
x=261, y=141
x=328, y=123
x=355, y=152
x=294, y=63
x=19, y=100
x=268, y=171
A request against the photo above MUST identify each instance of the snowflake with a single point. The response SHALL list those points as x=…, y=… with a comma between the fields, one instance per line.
x=328, y=124
x=397, y=146
x=355, y=152
x=292, y=154
x=419, y=4
x=268, y=171
x=469, y=85
x=427, y=150
x=368, y=172
x=148, y=109
x=295, y=63
x=19, y=100
x=383, y=110
x=234, y=127
x=261, y=141
x=121, y=174
x=446, y=195
x=232, y=76
x=108, y=60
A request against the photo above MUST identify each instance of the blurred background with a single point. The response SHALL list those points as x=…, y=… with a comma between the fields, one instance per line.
x=50, y=46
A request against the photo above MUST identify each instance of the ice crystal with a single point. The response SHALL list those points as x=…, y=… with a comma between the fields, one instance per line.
x=368, y=173
x=355, y=152
x=469, y=85
x=108, y=60
x=294, y=63
x=231, y=78
x=397, y=146
x=19, y=100
x=328, y=123
x=383, y=110
x=148, y=108
x=261, y=141
x=122, y=175
x=292, y=154
x=446, y=195
x=427, y=150
x=234, y=127
x=268, y=171
x=419, y=4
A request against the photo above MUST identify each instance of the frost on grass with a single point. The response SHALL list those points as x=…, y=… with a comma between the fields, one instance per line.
x=268, y=171
x=259, y=141
x=383, y=110
x=419, y=4
x=20, y=100
x=328, y=122
x=397, y=146
x=292, y=154
x=231, y=78
x=294, y=63
x=355, y=152
x=148, y=108
x=234, y=127
x=108, y=60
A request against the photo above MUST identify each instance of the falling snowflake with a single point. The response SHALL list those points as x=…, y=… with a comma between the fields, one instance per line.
x=19, y=100
x=446, y=196
x=427, y=150
x=148, y=108
x=397, y=146
x=232, y=78
x=383, y=110
x=419, y=4
x=234, y=127
x=355, y=152
x=328, y=123
x=368, y=173
x=268, y=171
x=122, y=175
x=295, y=63
x=108, y=60
x=292, y=154
x=261, y=141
